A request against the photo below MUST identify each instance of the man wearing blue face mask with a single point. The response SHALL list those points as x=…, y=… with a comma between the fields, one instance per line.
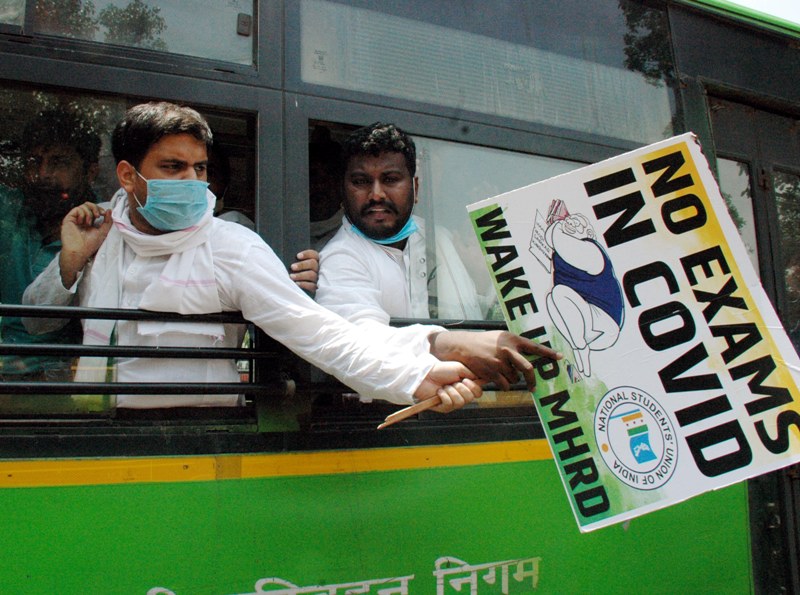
x=159, y=248
x=377, y=266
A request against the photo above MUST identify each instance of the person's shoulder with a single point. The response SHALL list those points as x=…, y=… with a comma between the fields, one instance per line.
x=234, y=243
x=224, y=231
x=16, y=218
x=10, y=195
x=345, y=239
x=237, y=217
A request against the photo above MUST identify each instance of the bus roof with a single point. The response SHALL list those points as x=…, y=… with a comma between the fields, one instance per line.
x=780, y=15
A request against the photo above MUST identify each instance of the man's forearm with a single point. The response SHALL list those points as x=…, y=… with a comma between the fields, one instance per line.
x=47, y=290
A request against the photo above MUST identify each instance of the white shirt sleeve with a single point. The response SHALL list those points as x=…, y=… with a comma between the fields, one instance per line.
x=263, y=291
x=348, y=286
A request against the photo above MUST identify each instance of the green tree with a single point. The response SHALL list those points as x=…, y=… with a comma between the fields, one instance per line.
x=137, y=24
x=69, y=18
x=647, y=47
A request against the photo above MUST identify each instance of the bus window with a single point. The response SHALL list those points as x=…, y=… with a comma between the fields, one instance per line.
x=207, y=29
x=454, y=175
x=12, y=12
x=55, y=153
x=605, y=70
x=787, y=193
x=734, y=183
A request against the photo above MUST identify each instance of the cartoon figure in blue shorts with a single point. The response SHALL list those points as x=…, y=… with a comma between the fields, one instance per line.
x=585, y=303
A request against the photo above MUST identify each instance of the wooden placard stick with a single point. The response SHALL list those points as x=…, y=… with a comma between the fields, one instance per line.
x=409, y=411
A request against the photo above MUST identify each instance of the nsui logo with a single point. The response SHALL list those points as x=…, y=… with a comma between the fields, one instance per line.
x=635, y=437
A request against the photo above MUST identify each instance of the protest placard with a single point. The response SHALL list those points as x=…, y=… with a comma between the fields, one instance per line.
x=678, y=377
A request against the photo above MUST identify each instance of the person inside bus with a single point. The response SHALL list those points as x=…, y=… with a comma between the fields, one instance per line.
x=325, y=188
x=60, y=150
x=219, y=179
x=375, y=267
x=158, y=247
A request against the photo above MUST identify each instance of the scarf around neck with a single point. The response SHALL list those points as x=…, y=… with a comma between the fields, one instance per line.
x=186, y=285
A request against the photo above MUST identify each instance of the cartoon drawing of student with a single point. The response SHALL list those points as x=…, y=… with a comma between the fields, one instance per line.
x=585, y=303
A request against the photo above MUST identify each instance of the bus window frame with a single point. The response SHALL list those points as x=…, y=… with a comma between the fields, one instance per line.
x=266, y=70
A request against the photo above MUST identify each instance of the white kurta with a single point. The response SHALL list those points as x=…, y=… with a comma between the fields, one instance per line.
x=368, y=283
x=250, y=279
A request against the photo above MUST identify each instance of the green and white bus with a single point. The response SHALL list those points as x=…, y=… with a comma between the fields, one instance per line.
x=296, y=491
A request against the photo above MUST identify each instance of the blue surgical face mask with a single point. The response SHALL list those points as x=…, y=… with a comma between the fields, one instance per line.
x=409, y=228
x=173, y=205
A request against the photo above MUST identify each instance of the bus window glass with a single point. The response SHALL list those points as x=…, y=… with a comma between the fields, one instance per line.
x=452, y=176
x=734, y=184
x=606, y=71
x=787, y=194
x=55, y=153
x=206, y=29
x=12, y=12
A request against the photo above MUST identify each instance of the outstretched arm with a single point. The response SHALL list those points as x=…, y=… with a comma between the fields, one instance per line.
x=496, y=356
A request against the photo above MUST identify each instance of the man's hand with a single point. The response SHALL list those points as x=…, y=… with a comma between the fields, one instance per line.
x=453, y=383
x=81, y=239
x=496, y=356
x=305, y=271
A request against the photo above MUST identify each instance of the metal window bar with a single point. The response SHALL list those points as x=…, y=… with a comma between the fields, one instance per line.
x=275, y=387
x=272, y=353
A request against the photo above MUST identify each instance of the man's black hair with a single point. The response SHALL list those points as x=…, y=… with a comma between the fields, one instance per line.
x=380, y=138
x=145, y=124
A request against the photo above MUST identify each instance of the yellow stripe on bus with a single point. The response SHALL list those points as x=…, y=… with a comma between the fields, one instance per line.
x=79, y=472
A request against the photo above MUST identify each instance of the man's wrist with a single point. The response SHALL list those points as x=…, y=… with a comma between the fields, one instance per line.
x=69, y=271
x=441, y=346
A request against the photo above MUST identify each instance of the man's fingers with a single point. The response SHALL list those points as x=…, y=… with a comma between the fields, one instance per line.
x=305, y=265
x=521, y=364
x=107, y=221
x=307, y=260
x=474, y=387
x=502, y=381
x=532, y=348
x=454, y=396
x=446, y=398
x=304, y=276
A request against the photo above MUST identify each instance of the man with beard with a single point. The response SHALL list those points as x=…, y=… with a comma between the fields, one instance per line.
x=60, y=150
x=375, y=267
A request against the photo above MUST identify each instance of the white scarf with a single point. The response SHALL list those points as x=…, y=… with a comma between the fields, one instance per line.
x=187, y=284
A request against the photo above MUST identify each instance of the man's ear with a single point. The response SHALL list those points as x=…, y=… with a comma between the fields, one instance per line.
x=416, y=189
x=126, y=174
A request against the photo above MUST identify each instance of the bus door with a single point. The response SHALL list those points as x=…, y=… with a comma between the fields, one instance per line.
x=758, y=165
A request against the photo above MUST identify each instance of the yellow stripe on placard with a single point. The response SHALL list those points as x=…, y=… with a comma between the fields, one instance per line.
x=79, y=472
